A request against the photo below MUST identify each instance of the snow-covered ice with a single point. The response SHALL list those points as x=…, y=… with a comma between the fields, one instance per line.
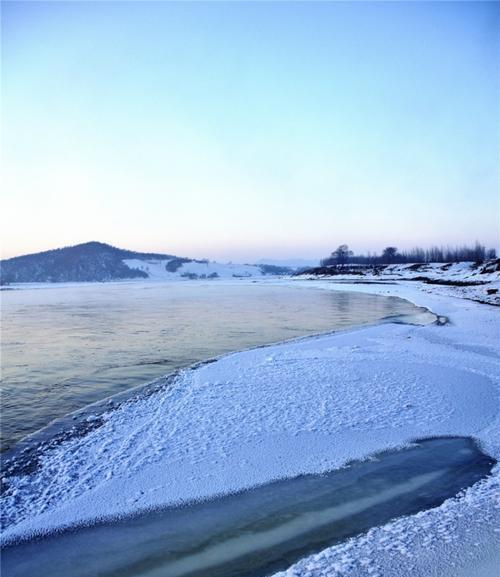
x=300, y=407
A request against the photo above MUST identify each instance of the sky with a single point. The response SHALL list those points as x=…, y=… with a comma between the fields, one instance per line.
x=239, y=131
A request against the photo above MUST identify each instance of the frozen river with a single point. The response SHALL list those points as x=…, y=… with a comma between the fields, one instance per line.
x=64, y=347
x=260, y=531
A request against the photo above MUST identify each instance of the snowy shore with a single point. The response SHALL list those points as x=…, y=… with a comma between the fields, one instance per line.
x=478, y=282
x=301, y=407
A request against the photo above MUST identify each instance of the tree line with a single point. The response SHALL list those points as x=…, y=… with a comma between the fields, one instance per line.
x=392, y=255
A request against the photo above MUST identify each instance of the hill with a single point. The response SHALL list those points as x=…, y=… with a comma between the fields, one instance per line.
x=91, y=261
x=99, y=262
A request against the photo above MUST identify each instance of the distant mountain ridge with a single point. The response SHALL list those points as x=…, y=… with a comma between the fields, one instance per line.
x=100, y=262
x=90, y=261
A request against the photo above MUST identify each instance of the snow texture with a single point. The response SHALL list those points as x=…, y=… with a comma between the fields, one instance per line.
x=304, y=406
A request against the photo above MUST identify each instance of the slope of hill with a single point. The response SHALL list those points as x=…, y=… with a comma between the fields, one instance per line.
x=91, y=261
x=98, y=262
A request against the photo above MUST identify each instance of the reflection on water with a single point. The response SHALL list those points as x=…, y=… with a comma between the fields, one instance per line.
x=63, y=348
x=262, y=530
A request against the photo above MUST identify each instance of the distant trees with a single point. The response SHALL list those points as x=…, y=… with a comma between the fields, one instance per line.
x=174, y=264
x=390, y=255
x=274, y=269
x=340, y=256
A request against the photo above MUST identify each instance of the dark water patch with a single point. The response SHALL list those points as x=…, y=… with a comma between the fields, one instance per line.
x=154, y=362
x=257, y=532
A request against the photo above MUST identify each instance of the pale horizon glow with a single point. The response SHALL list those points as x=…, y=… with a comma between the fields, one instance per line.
x=241, y=131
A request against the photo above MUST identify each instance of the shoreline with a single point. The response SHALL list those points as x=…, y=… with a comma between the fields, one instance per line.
x=256, y=445
x=83, y=417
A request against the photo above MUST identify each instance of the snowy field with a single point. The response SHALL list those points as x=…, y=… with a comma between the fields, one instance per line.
x=305, y=406
x=155, y=269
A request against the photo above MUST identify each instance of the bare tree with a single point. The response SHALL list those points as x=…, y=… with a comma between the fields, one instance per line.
x=389, y=254
x=342, y=254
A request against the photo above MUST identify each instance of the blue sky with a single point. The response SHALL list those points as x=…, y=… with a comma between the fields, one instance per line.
x=248, y=130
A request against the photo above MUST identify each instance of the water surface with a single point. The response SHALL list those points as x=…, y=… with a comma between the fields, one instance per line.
x=263, y=530
x=66, y=347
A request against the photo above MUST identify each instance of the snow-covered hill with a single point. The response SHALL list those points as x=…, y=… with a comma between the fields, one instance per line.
x=99, y=262
x=169, y=269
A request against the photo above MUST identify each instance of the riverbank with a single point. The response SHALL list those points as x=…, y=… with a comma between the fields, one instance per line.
x=302, y=407
x=65, y=348
x=475, y=281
